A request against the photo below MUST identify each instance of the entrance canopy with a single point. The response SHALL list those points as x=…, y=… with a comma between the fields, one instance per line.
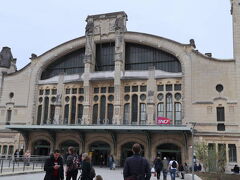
x=101, y=128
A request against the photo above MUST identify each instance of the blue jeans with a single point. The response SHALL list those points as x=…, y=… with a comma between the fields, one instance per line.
x=165, y=174
x=172, y=174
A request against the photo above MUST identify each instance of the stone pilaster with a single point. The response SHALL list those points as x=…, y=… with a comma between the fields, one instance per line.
x=58, y=115
x=151, y=89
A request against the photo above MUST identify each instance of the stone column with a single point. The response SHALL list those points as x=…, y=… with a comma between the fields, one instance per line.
x=151, y=88
x=119, y=66
x=58, y=115
x=89, y=67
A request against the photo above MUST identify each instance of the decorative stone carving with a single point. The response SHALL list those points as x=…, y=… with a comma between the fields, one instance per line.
x=119, y=24
x=89, y=28
x=33, y=56
x=192, y=43
x=58, y=98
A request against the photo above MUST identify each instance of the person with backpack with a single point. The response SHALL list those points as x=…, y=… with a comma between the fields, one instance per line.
x=88, y=172
x=72, y=164
x=158, y=165
x=136, y=167
x=173, y=166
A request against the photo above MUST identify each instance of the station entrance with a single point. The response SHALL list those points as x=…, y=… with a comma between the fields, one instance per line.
x=100, y=151
x=41, y=148
x=169, y=151
x=126, y=151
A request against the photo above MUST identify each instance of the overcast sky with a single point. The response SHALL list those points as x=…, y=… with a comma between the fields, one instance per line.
x=29, y=26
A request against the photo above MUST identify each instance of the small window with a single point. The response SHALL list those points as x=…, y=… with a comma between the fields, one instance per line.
x=47, y=91
x=126, y=97
x=160, y=96
x=81, y=90
x=221, y=127
x=68, y=91
x=41, y=92
x=74, y=90
x=11, y=95
x=81, y=98
x=134, y=88
x=220, y=114
x=160, y=88
x=67, y=99
x=103, y=89
x=110, y=98
x=54, y=91
x=110, y=89
x=143, y=88
x=127, y=89
x=219, y=88
x=177, y=87
x=169, y=87
x=95, y=98
x=96, y=90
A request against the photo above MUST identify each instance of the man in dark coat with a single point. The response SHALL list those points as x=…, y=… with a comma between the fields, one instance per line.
x=136, y=167
x=158, y=165
x=54, y=167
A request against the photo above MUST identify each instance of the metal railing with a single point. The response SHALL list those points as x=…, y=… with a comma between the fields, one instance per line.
x=11, y=164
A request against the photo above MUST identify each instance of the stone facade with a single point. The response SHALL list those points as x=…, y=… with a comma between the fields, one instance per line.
x=41, y=109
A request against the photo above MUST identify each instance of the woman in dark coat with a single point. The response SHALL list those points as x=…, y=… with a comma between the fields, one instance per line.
x=86, y=167
x=54, y=167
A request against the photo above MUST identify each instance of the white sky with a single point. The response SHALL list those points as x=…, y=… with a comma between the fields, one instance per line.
x=29, y=26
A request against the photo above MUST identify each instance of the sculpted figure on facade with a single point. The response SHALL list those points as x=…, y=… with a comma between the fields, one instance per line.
x=89, y=28
x=119, y=25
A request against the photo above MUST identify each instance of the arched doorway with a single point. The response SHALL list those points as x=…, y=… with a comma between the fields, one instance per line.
x=126, y=151
x=64, y=147
x=41, y=148
x=169, y=151
x=98, y=149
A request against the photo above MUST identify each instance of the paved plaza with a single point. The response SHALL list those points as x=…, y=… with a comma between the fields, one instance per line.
x=105, y=173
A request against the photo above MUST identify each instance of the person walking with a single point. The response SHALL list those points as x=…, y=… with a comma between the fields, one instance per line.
x=181, y=169
x=27, y=157
x=236, y=169
x=87, y=170
x=136, y=167
x=110, y=161
x=173, y=166
x=72, y=164
x=158, y=166
x=165, y=168
x=54, y=167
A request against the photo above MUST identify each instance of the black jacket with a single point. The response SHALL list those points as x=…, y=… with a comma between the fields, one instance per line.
x=86, y=167
x=158, y=165
x=48, y=167
x=135, y=166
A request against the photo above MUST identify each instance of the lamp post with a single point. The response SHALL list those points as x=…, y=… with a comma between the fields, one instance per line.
x=192, y=130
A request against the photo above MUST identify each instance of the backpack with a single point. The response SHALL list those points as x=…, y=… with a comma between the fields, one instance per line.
x=174, y=164
x=92, y=173
x=75, y=163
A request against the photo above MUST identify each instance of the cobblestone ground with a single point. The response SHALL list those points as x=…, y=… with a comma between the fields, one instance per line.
x=105, y=173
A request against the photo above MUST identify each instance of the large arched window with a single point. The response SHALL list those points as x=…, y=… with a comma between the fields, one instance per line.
x=141, y=57
x=143, y=113
x=169, y=106
x=39, y=115
x=110, y=113
x=80, y=113
x=160, y=110
x=71, y=63
x=105, y=57
x=134, y=109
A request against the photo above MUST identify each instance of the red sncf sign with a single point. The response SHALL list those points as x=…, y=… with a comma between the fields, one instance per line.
x=163, y=120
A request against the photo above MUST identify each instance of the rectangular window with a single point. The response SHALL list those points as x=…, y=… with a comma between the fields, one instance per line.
x=96, y=90
x=160, y=88
x=222, y=150
x=47, y=91
x=110, y=89
x=177, y=87
x=143, y=88
x=221, y=127
x=126, y=114
x=9, y=116
x=68, y=91
x=168, y=87
x=103, y=89
x=127, y=89
x=41, y=92
x=178, y=113
x=232, y=153
x=143, y=114
x=54, y=91
x=81, y=90
x=134, y=88
x=160, y=110
x=220, y=114
x=74, y=90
